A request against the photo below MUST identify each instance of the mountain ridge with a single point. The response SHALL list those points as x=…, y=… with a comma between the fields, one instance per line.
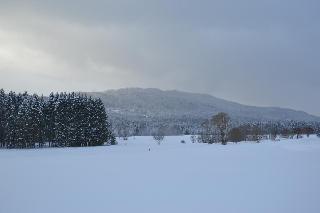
x=156, y=102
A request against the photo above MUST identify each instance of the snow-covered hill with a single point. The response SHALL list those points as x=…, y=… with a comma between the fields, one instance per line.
x=137, y=102
x=181, y=110
x=173, y=177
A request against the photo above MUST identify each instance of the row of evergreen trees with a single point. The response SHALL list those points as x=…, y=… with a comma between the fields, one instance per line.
x=61, y=120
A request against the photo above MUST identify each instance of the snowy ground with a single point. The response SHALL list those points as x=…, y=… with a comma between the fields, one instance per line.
x=273, y=177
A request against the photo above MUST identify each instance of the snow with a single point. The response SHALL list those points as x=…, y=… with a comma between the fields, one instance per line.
x=282, y=176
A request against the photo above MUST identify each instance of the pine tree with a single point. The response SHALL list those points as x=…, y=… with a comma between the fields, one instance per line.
x=62, y=120
x=36, y=120
x=103, y=126
x=49, y=119
x=23, y=126
x=11, y=111
x=3, y=117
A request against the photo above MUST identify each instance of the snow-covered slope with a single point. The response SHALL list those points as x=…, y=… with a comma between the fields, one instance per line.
x=147, y=110
x=137, y=103
x=173, y=177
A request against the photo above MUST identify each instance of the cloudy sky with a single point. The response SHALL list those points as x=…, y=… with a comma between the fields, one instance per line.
x=254, y=52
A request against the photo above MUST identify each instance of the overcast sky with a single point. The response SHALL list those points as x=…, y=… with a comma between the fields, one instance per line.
x=263, y=53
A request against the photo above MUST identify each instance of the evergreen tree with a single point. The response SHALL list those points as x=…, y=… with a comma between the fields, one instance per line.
x=49, y=119
x=36, y=120
x=103, y=127
x=23, y=126
x=61, y=120
x=3, y=117
x=11, y=111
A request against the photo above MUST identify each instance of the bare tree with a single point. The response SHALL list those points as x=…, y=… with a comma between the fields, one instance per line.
x=285, y=133
x=221, y=121
x=308, y=131
x=158, y=135
x=236, y=135
x=208, y=133
x=193, y=138
x=256, y=132
x=124, y=130
x=273, y=133
x=298, y=132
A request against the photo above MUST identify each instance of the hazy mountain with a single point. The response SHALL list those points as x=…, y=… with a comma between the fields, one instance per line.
x=136, y=111
x=137, y=103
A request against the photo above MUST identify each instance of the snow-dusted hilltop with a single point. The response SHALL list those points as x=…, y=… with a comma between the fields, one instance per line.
x=182, y=110
x=137, y=102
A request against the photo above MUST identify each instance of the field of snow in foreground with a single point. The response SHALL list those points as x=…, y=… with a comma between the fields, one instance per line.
x=273, y=177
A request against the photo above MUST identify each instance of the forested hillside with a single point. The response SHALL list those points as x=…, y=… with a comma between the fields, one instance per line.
x=136, y=111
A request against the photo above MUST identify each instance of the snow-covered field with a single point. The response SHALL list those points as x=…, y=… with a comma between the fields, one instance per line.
x=273, y=177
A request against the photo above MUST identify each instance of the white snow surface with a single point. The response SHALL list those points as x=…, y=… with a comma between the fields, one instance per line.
x=268, y=177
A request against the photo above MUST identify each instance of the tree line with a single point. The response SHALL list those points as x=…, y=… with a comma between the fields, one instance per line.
x=60, y=120
x=220, y=129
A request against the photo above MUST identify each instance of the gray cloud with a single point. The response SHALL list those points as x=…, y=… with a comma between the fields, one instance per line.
x=253, y=52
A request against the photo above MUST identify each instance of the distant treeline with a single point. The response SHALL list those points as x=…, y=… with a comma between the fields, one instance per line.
x=220, y=129
x=61, y=120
